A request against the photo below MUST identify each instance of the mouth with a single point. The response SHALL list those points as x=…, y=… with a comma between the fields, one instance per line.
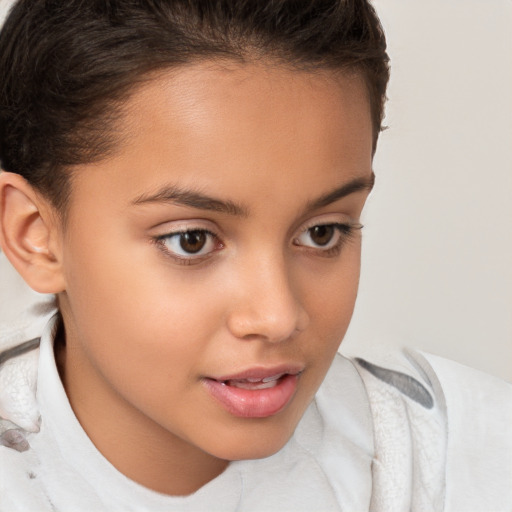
x=256, y=393
x=265, y=383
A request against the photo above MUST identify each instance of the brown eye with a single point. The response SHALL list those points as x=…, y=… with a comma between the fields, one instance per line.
x=192, y=241
x=191, y=244
x=322, y=235
x=326, y=237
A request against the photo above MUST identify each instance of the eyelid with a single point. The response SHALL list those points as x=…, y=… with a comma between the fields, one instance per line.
x=330, y=220
x=341, y=226
x=184, y=224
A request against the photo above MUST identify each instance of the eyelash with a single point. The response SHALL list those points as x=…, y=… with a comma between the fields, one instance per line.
x=345, y=231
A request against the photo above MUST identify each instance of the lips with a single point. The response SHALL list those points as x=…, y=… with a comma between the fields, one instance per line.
x=255, y=393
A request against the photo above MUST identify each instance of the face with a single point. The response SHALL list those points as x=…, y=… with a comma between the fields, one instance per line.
x=211, y=265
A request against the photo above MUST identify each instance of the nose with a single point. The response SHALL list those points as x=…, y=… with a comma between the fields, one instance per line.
x=267, y=306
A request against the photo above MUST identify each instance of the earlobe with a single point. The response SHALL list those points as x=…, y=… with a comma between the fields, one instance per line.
x=28, y=232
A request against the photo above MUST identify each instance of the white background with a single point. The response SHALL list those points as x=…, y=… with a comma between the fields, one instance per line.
x=437, y=262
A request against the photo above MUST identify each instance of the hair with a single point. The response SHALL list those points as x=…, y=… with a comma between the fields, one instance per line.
x=68, y=66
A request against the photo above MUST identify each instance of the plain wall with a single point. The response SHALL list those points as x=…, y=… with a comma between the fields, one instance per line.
x=437, y=262
x=4, y=6
x=437, y=258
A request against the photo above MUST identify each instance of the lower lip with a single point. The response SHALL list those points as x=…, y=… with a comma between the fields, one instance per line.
x=254, y=403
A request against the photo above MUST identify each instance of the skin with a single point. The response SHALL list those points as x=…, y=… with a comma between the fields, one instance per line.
x=143, y=326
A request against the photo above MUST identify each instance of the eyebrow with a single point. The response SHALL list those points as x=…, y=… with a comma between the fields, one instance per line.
x=200, y=201
x=355, y=185
x=177, y=195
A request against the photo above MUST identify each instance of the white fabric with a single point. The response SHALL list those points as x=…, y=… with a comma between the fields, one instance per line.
x=410, y=447
x=479, y=438
x=63, y=471
x=365, y=443
x=23, y=312
x=23, y=316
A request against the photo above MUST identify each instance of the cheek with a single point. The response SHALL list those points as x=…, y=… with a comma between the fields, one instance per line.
x=139, y=313
x=332, y=291
x=330, y=299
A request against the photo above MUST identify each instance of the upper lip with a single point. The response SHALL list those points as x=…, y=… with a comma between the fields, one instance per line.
x=262, y=372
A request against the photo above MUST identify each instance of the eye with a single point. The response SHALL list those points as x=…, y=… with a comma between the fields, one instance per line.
x=190, y=244
x=326, y=237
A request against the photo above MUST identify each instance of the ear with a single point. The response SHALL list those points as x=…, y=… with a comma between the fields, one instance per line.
x=30, y=234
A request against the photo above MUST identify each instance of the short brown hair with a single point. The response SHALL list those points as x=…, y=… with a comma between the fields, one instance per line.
x=67, y=66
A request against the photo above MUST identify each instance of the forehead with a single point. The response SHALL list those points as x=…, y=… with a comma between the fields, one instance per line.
x=236, y=128
x=232, y=97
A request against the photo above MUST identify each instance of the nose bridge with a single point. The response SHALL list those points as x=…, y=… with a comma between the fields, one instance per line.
x=267, y=305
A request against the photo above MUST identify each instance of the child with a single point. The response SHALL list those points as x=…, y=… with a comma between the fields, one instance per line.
x=187, y=179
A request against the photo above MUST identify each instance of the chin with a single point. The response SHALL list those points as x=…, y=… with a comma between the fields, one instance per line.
x=258, y=441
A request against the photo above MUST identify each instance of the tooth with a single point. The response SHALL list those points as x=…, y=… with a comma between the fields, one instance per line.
x=243, y=384
x=274, y=377
x=266, y=385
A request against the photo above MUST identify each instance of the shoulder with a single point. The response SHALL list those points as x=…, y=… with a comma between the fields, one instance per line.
x=19, y=412
x=20, y=487
x=449, y=424
x=411, y=431
x=479, y=436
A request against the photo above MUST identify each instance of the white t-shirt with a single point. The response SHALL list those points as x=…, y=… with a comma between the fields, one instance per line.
x=422, y=434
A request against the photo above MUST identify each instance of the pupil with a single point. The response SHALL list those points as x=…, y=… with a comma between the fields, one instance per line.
x=192, y=241
x=322, y=235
